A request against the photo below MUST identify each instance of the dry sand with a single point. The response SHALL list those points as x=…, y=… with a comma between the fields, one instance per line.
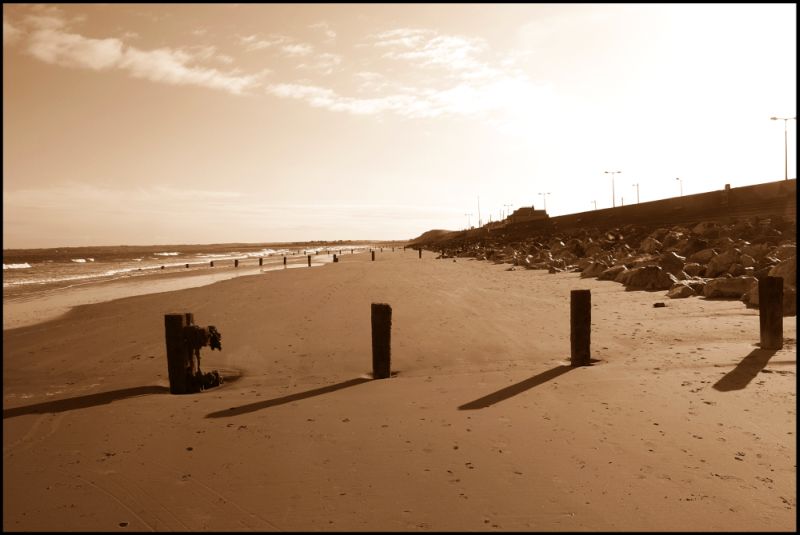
x=683, y=423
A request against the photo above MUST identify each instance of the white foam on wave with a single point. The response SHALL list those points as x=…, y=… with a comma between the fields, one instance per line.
x=79, y=260
x=24, y=265
x=166, y=254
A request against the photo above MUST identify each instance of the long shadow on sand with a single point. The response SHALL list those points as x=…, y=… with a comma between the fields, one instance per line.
x=235, y=411
x=745, y=371
x=83, y=402
x=515, y=389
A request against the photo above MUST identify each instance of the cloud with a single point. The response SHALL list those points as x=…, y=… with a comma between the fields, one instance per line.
x=252, y=42
x=324, y=63
x=297, y=49
x=73, y=50
x=325, y=27
x=52, y=44
x=11, y=34
x=427, y=48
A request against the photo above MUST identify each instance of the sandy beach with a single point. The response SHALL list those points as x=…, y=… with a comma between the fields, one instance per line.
x=682, y=423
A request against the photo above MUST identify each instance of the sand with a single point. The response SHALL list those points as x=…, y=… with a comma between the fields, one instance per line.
x=682, y=423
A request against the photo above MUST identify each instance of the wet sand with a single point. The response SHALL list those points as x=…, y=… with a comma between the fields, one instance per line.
x=682, y=423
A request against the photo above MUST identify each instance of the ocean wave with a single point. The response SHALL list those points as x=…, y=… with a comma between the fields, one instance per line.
x=166, y=254
x=79, y=260
x=24, y=265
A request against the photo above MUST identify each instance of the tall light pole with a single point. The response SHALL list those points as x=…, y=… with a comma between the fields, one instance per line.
x=681, y=184
x=468, y=219
x=637, y=192
x=785, y=145
x=613, y=195
x=544, y=196
x=508, y=212
x=595, y=204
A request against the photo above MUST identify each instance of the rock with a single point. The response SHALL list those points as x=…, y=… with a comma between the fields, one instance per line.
x=734, y=287
x=722, y=262
x=785, y=251
x=672, y=263
x=702, y=257
x=787, y=270
x=612, y=273
x=671, y=239
x=750, y=299
x=650, y=246
x=694, y=269
x=680, y=290
x=706, y=229
x=693, y=245
x=736, y=270
x=651, y=278
x=747, y=260
x=756, y=250
x=594, y=270
x=659, y=305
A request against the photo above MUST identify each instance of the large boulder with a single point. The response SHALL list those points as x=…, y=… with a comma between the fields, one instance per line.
x=756, y=250
x=650, y=245
x=706, y=229
x=703, y=256
x=785, y=251
x=680, y=290
x=694, y=269
x=729, y=287
x=595, y=269
x=786, y=270
x=722, y=262
x=747, y=260
x=650, y=278
x=672, y=263
x=693, y=245
x=612, y=273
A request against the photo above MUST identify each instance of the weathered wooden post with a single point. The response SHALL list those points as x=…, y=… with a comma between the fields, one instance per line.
x=335, y=258
x=420, y=252
x=770, y=312
x=381, y=249
x=284, y=260
x=309, y=260
x=260, y=260
x=580, y=326
x=162, y=267
x=236, y=263
x=211, y=263
x=187, y=266
x=351, y=251
x=179, y=357
x=381, y=340
x=373, y=256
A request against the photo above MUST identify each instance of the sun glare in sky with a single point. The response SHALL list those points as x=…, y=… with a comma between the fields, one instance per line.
x=209, y=123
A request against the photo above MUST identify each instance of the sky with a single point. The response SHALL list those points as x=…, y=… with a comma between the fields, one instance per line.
x=139, y=124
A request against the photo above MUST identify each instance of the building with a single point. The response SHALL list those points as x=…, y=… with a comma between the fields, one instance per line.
x=527, y=213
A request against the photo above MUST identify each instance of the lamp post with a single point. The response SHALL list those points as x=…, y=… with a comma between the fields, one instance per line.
x=785, y=145
x=680, y=182
x=468, y=215
x=508, y=206
x=613, y=195
x=637, y=192
x=544, y=197
x=595, y=204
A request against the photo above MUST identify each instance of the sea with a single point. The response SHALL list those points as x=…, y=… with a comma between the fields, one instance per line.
x=40, y=282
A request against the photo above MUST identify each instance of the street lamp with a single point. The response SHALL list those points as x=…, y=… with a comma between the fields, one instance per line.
x=544, y=196
x=785, y=145
x=468, y=219
x=680, y=182
x=508, y=206
x=637, y=192
x=613, y=195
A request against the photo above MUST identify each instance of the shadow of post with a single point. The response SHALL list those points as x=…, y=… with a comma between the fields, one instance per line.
x=745, y=371
x=83, y=402
x=515, y=389
x=235, y=411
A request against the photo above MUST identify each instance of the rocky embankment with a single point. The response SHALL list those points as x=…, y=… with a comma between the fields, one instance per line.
x=708, y=259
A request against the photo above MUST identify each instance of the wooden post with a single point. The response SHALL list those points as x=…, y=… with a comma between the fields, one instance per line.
x=236, y=263
x=580, y=326
x=351, y=251
x=420, y=252
x=284, y=260
x=373, y=256
x=179, y=357
x=309, y=260
x=162, y=267
x=260, y=260
x=335, y=258
x=211, y=263
x=770, y=312
x=187, y=266
x=381, y=340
